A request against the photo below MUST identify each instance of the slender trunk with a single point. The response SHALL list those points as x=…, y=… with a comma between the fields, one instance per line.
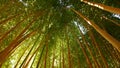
x=104, y=34
x=30, y=57
x=45, y=64
x=85, y=54
x=6, y=6
x=15, y=42
x=7, y=50
x=117, y=53
x=69, y=57
x=111, y=54
x=9, y=18
x=27, y=57
x=89, y=50
x=112, y=21
x=60, y=57
x=83, y=50
x=21, y=57
x=38, y=63
x=16, y=26
x=103, y=7
x=53, y=61
x=77, y=54
x=63, y=60
x=5, y=54
x=68, y=46
x=98, y=48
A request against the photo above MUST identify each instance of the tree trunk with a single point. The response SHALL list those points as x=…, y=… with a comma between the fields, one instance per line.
x=83, y=50
x=103, y=7
x=89, y=50
x=97, y=47
x=111, y=21
x=104, y=34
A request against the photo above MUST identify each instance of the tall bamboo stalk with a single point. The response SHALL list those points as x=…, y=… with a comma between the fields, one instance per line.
x=97, y=47
x=103, y=33
x=9, y=18
x=13, y=28
x=15, y=42
x=83, y=50
x=21, y=56
x=103, y=7
x=53, y=59
x=40, y=56
x=63, y=60
x=89, y=50
x=111, y=21
x=68, y=46
x=60, y=57
x=77, y=54
x=46, y=54
x=4, y=55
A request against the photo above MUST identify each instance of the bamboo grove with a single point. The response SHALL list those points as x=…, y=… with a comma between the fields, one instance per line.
x=59, y=34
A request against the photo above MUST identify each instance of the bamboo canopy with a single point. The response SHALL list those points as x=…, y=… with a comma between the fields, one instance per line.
x=59, y=34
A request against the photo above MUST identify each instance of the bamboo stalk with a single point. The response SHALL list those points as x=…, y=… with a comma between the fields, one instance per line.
x=46, y=54
x=30, y=57
x=21, y=57
x=111, y=21
x=9, y=18
x=63, y=60
x=68, y=46
x=103, y=7
x=53, y=60
x=110, y=53
x=77, y=54
x=83, y=50
x=40, y=57
x=60, y=56
x=16, y=26
x=6, y=6
x=4, y=56
x=98, y=48
x=89, y=50
x=104, y=34
x=14, y=43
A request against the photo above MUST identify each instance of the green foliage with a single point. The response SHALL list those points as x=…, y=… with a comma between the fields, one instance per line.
x=56, y=26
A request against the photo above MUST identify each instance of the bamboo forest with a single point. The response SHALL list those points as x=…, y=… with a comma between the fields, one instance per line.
x=59, y=33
